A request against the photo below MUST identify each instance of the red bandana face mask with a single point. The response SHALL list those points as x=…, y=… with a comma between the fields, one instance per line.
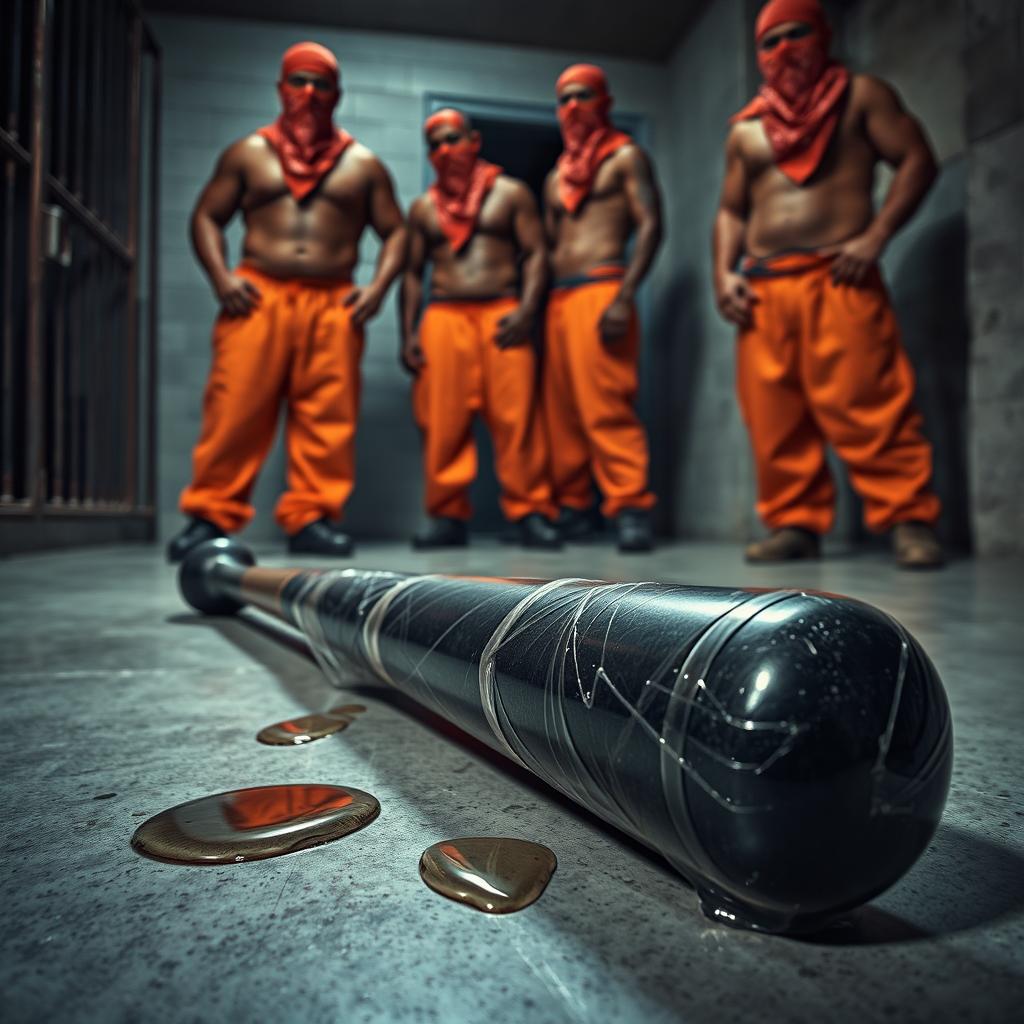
x=579, y=119
x=304, y=136
x=307, y=115
x=587, y=134
x=792, y=68
x=463, y=179
x=802, y=97
x=454, y=163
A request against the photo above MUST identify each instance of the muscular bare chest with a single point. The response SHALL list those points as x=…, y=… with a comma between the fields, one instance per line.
x=606, y=198
x=342, y=192
x=496, y=218
x=849, y=153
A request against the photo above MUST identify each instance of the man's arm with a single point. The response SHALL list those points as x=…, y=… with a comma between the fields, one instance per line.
x=217, y=204
x=517, y=327
x=732, y=293
x=410, y=295
x=641, y=191
x=900, y=141
x=386, y=219
x=550, y=216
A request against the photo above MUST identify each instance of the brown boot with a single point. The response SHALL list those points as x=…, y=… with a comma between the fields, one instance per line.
x=916, y=546
x=784, y=545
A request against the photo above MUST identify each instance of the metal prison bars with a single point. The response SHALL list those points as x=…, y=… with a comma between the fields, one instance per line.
x=79, y=102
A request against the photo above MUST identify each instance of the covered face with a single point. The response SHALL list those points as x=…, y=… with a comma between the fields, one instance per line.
x=793, y=40
x=309, y=90
x=454, y=149
x=584, y=103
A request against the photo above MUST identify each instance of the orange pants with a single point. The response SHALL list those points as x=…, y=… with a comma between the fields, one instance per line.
x=465, y=374
x=298, y=345
x=589, y=391
x=823, y=363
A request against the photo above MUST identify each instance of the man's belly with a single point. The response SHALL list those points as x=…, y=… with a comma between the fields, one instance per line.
x=300, y=257
x=813, y=220
x=579, y=253
x=486, y=267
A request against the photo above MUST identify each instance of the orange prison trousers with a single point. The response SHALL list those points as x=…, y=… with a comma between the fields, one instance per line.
x=298, y=345
x=590, y=387
x=467, y=373
x=823, y=363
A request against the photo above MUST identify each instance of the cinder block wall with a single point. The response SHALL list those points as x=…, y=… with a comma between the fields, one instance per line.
x=219, y=81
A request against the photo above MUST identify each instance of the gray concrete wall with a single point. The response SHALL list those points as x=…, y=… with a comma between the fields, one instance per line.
x=219, y=85
x=995, y=188
x=703, y=462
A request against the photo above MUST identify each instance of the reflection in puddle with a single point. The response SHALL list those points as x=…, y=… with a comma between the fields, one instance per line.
x=497, y=876
x=307, y=728
x=252, y=824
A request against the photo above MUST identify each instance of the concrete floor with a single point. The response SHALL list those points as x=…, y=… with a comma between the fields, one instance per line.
x=118, y=703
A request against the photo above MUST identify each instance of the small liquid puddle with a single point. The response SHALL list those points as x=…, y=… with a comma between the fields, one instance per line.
x=305, y=729
x=497, y=876
x=253, y=824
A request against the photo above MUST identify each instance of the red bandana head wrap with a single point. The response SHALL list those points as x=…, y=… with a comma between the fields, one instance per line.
x=304, y=137
x=463, y=179
x=800, y=101
x=587, y=134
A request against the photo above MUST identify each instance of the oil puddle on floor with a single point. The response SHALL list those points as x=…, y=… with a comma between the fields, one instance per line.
x=497, y=876
x=253, y=824
x=307, y=728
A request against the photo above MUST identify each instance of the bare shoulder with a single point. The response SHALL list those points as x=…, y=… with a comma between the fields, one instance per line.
x=243, y=152
x=419, y=208
x=631, y=157
x=867, y=92
x=743, y=135
x=362, y=158
x=513, y=189
x=551, y=185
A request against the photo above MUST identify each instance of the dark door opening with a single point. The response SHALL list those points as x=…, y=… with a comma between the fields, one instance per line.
x=526, y=150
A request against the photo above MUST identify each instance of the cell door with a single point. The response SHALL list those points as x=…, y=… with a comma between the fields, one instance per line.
x=78, y=229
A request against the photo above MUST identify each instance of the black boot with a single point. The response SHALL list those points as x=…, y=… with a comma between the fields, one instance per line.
x=441, y=532
x=578, y=526
x=534, y=531
x=633, y=526
x=197, y=531
x=321, y=538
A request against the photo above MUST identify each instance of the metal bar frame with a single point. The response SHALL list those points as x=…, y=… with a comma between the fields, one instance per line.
x=107, y=213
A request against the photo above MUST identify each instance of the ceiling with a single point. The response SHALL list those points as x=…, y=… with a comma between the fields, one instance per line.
x=645, y=29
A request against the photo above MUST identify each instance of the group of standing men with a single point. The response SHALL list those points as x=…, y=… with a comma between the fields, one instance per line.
x=796, y=246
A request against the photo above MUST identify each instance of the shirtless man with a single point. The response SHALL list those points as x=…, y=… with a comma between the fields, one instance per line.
x=819, y=357
x=473, y=350
x=291, y=321
x=601, y=193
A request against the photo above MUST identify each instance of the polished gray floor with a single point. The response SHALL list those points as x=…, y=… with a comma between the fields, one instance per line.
x=118, y=702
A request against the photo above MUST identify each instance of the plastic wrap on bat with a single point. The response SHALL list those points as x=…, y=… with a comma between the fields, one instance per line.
x=788, y=752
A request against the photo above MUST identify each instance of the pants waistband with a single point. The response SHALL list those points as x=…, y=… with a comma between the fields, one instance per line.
x=596, y=275
x=467, y=300
x=782, y=264
x=248, y=270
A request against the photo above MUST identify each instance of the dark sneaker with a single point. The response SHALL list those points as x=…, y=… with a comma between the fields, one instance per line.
x=534, y=531
x=633, y=530
x=916, y=546
x=785, y=545
x=577, y=526
x=321, y=538
x=442, y=532
x=197, y=532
